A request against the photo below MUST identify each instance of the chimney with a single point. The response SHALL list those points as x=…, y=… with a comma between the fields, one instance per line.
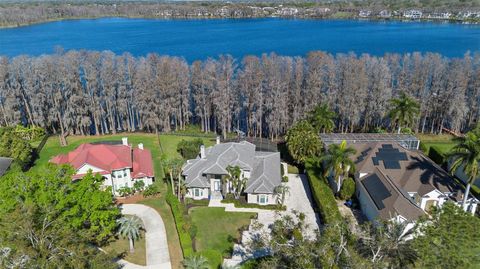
x=202, y=151
x=140, y=145
x=218, y=139
x=125, y=141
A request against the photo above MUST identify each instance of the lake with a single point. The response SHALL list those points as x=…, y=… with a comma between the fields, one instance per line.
x=198, y=39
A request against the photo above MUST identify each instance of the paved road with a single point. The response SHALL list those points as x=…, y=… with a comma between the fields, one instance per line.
x=158, y=256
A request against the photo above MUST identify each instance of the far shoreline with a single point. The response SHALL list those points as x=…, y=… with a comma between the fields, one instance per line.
x=372, y=19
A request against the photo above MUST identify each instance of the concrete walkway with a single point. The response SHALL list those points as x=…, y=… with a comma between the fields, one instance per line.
x=158, y=256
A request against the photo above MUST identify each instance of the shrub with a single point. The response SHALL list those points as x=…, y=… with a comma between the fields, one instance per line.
x=379, y=130
x=406, y=130
x=138, y=185
x=282, y=170
x=177, y=211
x=423, y=148
x=436, y=155
x=240, y=204
x=285, y=179
x=348, y=189
x=189, y=148
x=322, y=194
x=125, y=191
x=214, y=257
x=151, y=190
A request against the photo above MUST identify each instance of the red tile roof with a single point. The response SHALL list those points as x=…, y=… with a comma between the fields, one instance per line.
x=109, y=158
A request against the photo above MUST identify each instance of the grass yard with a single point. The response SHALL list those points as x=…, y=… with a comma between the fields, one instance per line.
x=168, y=148
x=120, y=247
x=443, y=142
x=216, y=231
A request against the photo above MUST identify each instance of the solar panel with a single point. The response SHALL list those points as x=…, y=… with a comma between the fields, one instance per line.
x=390, y=157
x=391, y=164
x=359, y=159
x=376, y=189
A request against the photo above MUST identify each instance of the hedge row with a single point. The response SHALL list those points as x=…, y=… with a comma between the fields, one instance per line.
x=180, y=223
x=436, y=155
x=322, y=194
x=239, y=204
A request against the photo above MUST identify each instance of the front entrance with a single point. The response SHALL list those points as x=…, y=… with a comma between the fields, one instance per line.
x=216, y=185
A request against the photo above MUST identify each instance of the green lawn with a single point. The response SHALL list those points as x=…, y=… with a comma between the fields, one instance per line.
x=168, y=147
x=216, y=231
x=120, y=246
x=442, y=142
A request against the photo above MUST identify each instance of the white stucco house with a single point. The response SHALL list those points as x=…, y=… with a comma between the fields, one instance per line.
x=119, y=163
x=203, y=175
x=396, y=183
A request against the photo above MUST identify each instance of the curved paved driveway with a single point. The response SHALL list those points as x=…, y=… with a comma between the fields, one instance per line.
x=158, y=256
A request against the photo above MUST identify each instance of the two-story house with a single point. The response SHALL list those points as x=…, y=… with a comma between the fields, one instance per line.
x=204, y=176
x=118, y=162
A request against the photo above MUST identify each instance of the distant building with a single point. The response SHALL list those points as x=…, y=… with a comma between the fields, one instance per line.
x=364, y=13
x=385, y=14
x=440, y=15
x=287, y=11
x=413, y=14
x=469, y=14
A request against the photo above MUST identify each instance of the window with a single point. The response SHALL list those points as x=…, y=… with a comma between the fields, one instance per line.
x=262, y=199
x=125, y=174
x=196, y=193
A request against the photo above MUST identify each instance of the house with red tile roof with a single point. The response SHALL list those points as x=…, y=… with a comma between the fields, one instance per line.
x=119, y=163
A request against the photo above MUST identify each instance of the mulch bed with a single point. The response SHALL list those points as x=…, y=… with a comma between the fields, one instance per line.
x=130, y=199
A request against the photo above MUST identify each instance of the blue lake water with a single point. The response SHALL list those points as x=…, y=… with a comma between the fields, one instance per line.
x=199, y=39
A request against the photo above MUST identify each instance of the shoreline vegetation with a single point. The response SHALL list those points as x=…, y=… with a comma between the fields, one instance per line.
x=37, y=13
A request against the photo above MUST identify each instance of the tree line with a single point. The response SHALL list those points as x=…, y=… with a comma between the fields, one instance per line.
x=91, y=92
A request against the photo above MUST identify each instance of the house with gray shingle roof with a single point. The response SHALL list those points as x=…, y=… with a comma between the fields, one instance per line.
x=203, y=175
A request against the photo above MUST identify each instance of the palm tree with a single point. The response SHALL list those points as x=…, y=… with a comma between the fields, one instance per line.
x=195, y=262
x=182, y=190
x=337, y=160
x=322, y=118
x=281, y=191
x=172, y=167
x=235, y=179
x=466, y=154
x=404, y=110
x=129, y=227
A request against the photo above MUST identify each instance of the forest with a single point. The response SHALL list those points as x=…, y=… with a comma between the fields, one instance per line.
x=91, y=92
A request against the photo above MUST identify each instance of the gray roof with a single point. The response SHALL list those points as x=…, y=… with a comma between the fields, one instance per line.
x=4, y=164
x=264, y=167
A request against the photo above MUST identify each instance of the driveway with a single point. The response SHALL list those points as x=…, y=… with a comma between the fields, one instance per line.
x=300, y=200
x=158, y=256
